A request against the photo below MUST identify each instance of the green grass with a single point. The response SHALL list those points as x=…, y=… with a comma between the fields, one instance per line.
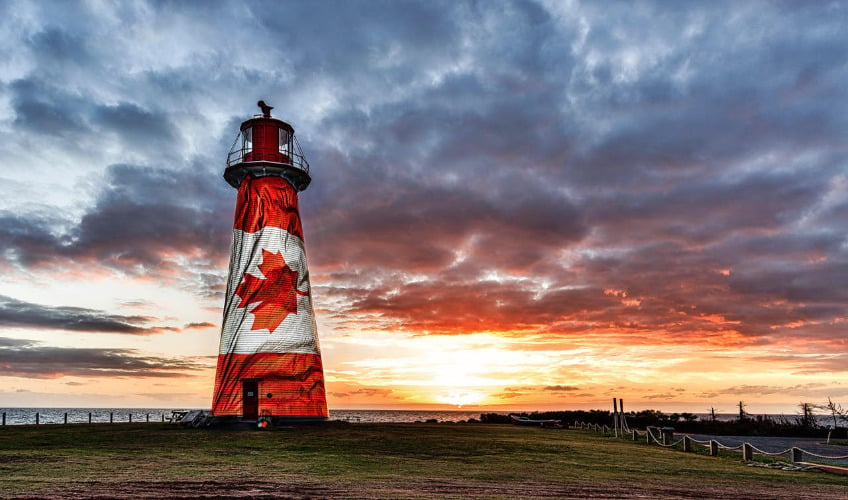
x=370, y=460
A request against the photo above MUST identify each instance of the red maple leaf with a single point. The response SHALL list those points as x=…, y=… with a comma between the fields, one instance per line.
x=276, y=295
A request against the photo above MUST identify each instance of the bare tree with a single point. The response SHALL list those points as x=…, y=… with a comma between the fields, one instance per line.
x=743, y=415
x=808, y=419
x=836, y=411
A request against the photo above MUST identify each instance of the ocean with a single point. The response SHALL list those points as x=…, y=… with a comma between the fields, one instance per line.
x=26, y=416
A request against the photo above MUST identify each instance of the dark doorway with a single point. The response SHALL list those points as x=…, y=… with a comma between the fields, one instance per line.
x=250, y=396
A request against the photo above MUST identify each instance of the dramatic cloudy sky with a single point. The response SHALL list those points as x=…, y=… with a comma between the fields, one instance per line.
x=528, y=204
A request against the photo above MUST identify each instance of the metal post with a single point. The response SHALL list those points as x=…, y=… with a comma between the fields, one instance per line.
x=713, y=448
x=66, y=417
x=89, y=417
x=621, y=414
x=796, y=455
x=111, y=417
x=667, y=435
x=687, y=443
x=148, y=418
x=747, y=452
x=163, y=417
x=635, y=435
x=4, y=418
x=615, y=415
x=36, y=418
x=130, y=417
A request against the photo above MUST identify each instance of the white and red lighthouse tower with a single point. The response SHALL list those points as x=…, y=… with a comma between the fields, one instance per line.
x=269, y=361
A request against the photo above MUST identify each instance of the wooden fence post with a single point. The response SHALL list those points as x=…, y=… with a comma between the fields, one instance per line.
x=130, y=420
x=4, y=418
x=615, y=415
x=89, y=417
x=66, y=417
x=148, y=418
x=796, y=455
x=36, y=418
x=687, y=444
x=713, y=448
x=111, y=417
x=747, y=452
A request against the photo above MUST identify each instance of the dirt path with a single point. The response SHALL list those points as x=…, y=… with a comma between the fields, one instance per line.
x=435, y=489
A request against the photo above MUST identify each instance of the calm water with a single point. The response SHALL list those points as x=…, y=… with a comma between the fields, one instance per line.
x=23, y=416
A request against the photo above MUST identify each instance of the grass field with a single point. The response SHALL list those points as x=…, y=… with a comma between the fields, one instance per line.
x=339, y=460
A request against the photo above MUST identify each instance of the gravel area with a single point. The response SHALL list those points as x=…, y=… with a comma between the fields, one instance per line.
x=777, y=444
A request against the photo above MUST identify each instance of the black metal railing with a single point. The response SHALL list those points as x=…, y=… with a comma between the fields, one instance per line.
x=290, y=155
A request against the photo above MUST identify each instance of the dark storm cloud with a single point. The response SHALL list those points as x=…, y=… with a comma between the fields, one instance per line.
x=140, y=126
x=48, y=112
x=713, y=149
x=145, y=220
x=56, y=46
x=33, y=360
x=412, y=229
x=145, y=215
x=18, y=313
x=362, y=36
x=505, y=166
x=45, y=109
x=699, y=214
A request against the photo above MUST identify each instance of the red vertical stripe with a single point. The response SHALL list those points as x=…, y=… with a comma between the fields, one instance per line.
x=267, y=201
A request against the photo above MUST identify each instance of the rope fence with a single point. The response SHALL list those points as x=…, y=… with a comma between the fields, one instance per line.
x=664, y=437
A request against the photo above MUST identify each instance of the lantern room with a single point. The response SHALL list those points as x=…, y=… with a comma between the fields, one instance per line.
x=267, y=146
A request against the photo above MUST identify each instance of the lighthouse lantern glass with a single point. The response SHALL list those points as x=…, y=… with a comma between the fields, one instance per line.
x=285, y=142
x=247, y=140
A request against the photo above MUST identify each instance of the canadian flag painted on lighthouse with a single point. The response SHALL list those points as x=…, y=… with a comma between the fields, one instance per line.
x=268, y=337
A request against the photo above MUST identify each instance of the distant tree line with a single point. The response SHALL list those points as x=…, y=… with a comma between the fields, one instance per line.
x=805, y=424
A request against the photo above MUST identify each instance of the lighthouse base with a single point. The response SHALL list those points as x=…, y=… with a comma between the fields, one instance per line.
x=237, y=422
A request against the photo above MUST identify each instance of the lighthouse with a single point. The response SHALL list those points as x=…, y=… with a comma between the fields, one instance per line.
x=269, y=361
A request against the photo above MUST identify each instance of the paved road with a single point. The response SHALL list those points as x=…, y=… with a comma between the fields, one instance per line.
x=778, y=444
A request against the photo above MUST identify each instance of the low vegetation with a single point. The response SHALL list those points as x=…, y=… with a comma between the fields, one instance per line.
x=340, y=460
x=803, y=425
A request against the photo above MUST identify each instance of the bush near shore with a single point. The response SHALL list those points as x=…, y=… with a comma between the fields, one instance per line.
x=758, y=425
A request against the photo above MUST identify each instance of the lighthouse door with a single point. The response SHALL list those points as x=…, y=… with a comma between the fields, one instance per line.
x=250, y=398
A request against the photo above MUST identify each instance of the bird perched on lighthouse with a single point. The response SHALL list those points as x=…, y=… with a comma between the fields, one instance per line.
x=266, y=110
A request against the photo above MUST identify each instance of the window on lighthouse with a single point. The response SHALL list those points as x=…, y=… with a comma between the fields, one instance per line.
x=284, y=142
x=247, y=140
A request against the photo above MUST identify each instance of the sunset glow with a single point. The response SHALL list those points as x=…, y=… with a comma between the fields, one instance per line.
x=514, y=205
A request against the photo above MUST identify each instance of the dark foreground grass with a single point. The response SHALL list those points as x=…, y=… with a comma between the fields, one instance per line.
x=374, y=461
